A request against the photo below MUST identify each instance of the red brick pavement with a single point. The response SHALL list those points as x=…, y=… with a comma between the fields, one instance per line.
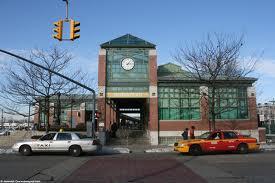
x=122, y=169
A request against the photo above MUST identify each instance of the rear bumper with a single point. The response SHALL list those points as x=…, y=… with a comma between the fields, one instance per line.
x=93, y=148
x=254, y=147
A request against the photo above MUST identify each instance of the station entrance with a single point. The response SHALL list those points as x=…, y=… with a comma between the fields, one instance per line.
x=132, y=113
x=131, y=119
x=127, y=85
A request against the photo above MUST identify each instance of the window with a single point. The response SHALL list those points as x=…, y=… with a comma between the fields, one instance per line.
x=81, y=136
x=179, y=103
x=49, y=136
x=215, y=136
x=64, y=136
x=229, y=135
x=230, y=102
x=115, y=73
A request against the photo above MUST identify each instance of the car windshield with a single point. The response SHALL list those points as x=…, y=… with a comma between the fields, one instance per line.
x=204, y=135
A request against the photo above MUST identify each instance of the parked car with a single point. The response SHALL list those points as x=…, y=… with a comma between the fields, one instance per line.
x=4, y=132
x=73, y=143
x=218, y=141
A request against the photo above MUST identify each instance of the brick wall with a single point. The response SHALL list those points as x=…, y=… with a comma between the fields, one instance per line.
x=153, y=102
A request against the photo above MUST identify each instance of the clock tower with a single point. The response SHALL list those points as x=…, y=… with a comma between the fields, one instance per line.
x=127, y=81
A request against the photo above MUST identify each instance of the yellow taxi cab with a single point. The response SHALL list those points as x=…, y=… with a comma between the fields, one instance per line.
x=217, y=141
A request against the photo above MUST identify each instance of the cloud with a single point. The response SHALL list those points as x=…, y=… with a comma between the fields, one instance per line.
x=266, y=67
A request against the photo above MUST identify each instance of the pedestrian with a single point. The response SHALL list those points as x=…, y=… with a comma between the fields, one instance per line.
x=114, y=129
x=192, y=132
x=185, y=134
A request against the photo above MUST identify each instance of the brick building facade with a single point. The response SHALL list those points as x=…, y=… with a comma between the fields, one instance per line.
x=169, y=102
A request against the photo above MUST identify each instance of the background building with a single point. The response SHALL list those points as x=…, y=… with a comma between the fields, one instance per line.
x=67, y=111
x=266, y=112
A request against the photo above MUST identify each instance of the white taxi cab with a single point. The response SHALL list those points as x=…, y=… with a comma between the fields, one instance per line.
x=73, y=143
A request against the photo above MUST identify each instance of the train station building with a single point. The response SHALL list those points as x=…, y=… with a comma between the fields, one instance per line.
x=165, y=99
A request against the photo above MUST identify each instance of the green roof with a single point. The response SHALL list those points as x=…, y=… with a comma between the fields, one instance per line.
x=127, y=41
x=174, y=73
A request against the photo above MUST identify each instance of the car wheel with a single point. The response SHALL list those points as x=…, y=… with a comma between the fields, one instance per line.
x=242, y=149
x=195, y=150
x=75, y=151
x=25, y=150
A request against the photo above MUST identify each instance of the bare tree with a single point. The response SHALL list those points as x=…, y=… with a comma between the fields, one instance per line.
x=27, y=84
x=212, y=62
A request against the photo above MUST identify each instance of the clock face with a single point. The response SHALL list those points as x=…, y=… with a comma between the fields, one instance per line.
x=127, y=63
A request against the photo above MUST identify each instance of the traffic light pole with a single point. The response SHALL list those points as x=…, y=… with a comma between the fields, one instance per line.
x=67, y=9
x=89, y=131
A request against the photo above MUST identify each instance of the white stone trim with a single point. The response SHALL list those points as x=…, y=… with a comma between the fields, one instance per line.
x=153, y=137
x=102, y=52
x=82, y=106
x=252, y=133
x=153, y=90
x=101, y=91
x=203, y=89
x=152, y=52
x=251, y=91
x=178, y=133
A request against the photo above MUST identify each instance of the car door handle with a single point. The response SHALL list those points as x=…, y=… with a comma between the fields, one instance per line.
x=51, y=141
x=69, y=141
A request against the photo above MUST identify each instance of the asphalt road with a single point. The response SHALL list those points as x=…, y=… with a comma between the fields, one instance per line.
x=17, y=167
x=141, y=167
x=235, y=168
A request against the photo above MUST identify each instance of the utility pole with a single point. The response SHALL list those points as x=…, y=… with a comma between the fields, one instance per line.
x=29, y=117
x=271, y=114
x=2, y=118
x=67, y=9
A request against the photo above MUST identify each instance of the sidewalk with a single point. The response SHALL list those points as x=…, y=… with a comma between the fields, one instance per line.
x=169, y=148
x=268, y=147
x=137, y=149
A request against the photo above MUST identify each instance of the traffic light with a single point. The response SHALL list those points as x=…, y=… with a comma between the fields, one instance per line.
x=74, y=29
x=58, y=29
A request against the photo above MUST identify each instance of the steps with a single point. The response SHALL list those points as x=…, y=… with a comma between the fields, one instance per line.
x=127, y=137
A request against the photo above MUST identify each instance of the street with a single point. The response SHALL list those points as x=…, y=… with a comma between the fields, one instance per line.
x=140, y=167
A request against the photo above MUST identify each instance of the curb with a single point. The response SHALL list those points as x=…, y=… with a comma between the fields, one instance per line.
x=159, y=150
x=7, y=151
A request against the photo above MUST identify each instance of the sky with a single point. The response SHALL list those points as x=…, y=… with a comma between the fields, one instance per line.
x=28, y=24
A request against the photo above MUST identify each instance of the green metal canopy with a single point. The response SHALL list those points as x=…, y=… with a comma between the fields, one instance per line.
x=127, y=41
x=171, y=72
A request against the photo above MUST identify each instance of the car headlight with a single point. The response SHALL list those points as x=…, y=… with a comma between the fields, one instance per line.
x=15, y=145
x=182, y=145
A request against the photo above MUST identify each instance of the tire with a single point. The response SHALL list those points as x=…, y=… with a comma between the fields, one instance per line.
x=195, y=150
x=242, y=149
x=25, y=150
x=75, y=151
